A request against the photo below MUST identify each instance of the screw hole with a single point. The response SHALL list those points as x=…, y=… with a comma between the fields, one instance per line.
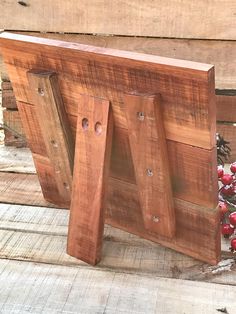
x=85, y=124
x=155, y=219
x=98, y=128
x=149, y=172
x=140, y=116
x=66, y=185
x=54, y=143
x=40, y=91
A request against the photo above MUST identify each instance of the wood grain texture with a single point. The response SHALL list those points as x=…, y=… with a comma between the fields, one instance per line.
x=8, y=97
x=90, y=179
x=188, y=96
x=220, y=53
x=38, y=234
x=14, y=134
x=226, y=108
x=58, y=289
x=105, y=77
x=135, y=18
x=55, y=130
x=150, y=157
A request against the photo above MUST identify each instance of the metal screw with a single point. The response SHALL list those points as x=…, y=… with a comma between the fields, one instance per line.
x=40, y=91
x=149, y=172
x=155, y=219
x=140, y=116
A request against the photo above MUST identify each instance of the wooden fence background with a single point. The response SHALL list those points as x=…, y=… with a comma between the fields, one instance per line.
x=203, y=31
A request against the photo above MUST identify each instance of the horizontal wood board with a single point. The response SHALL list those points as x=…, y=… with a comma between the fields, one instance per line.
x=60, y=289
x=172, y=18
x=221, y=53
x=122, y=177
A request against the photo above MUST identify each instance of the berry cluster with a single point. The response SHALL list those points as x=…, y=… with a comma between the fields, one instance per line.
x=227, y=203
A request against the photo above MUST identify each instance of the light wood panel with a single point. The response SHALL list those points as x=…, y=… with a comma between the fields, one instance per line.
x=58, y=289
x=172, y=18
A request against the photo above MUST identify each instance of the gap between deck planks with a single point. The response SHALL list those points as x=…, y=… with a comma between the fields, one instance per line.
x=59, y=289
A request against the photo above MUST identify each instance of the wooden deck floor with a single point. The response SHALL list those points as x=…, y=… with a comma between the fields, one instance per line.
x=134, y=276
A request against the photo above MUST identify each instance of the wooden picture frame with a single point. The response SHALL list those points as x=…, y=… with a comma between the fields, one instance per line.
x=121, y=138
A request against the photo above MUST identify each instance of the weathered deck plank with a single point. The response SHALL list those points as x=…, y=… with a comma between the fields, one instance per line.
x=39, y=288
x=39, y=234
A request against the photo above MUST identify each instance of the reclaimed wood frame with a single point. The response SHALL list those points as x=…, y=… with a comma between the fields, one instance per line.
x=177, y=101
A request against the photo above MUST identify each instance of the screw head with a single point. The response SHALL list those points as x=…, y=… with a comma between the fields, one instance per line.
x=40, y=91
x=155, y=219
x=140, y=116
x=149, y=172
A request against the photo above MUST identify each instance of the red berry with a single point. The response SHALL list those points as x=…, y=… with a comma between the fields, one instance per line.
x=227, y=230
x=227, y=179
x=223, y=208
x=228, y=190
x=233, y=244
x=220, y=171
x=232, y=219
x=233, y=167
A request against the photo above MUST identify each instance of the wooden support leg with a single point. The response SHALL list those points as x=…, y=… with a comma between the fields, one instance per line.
x=55, y=130
x=150, y=158
x=91, y=168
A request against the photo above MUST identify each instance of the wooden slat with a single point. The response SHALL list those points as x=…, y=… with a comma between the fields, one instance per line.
x=150, y=157
x=90, y=179
x=219, y=53
x=8, y=97
x=21, y=189
x=13, y=130
x=113, y=86
x=55, y=129
x=50, y=288
x=142, y=18
x=226, y=108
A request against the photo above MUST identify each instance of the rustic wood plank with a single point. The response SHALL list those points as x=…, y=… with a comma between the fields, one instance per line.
x=226, y=108
x=13, y=129
x=149, y=153
x=112, y=87
x=219, y=53
x=124, y=18
x=16, y=160
x=54, y=289
x=90, y=178
x=55, y=131
x=8, y=97
x=21, y=189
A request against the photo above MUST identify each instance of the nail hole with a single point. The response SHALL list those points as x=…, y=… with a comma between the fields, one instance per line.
x=149, y=172
x=85, y=124
x=24, y=4
x=98, y=128
x=40, y=91
x=54, y=143
x=155, y=219
x=66, y=185
x=140, y=116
